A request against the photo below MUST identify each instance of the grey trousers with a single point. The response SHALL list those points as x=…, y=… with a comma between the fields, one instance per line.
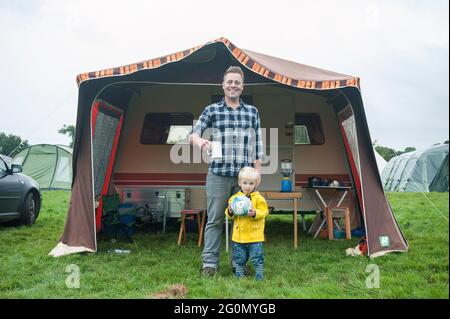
x=218, y=190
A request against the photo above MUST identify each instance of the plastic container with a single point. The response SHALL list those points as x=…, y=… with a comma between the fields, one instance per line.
x=125, y=207
x=323, y=233
x=338, y=234
x=358, y=232
x=127, y=219
x=286, y=185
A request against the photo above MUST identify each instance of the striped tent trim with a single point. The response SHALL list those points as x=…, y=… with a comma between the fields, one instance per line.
x=244, y=59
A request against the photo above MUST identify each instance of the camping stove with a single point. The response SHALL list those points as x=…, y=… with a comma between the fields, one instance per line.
x=286, y=171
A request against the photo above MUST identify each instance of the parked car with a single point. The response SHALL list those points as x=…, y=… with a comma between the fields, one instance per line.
x=20, y=196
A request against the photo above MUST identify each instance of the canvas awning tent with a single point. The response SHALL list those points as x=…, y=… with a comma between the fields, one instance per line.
x=113, y=104
x=50, y=165
x=418, y=171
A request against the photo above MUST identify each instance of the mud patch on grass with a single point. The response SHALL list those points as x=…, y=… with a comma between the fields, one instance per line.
x=177, y=291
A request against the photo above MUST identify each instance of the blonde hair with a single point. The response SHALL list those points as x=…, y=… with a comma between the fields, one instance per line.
x=249, y=173
x=234, y=69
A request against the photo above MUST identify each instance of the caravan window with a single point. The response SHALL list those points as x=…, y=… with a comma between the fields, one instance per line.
x=308, y=129
x=166, y=128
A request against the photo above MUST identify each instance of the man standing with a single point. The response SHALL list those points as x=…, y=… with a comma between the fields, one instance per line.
x=236, y=126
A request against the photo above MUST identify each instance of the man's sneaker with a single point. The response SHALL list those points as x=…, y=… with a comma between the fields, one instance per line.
x=208, y=271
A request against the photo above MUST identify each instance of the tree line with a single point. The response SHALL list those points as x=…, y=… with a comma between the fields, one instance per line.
x=11, y=145
x=387, y=153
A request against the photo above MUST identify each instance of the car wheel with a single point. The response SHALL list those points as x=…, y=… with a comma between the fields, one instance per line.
x=29, y=214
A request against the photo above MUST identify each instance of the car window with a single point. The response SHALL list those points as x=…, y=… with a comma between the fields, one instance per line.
x=2, y=168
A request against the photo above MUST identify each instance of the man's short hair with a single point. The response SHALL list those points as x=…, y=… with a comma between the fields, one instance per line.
x=234, y=69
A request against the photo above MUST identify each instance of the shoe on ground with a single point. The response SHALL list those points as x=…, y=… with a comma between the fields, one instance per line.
x=208, y=271
x=247, y=271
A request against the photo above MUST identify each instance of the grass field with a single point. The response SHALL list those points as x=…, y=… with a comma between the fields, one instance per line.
x=317, y=269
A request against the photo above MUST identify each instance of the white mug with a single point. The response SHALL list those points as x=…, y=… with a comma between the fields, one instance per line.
x=215, y=151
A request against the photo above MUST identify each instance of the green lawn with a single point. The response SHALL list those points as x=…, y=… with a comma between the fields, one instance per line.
x=317, y=269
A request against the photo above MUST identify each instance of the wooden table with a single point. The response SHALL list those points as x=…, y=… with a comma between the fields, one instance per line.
x=294, y=196
x=344, y=189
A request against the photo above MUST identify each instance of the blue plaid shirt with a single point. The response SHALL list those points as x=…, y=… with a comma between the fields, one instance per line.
x=239, y=132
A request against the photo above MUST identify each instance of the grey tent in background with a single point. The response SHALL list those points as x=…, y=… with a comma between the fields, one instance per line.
x=49, y=165
x=440, y=181
x=418, y=171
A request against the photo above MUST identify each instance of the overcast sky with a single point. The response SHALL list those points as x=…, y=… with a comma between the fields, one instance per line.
x=399, y=49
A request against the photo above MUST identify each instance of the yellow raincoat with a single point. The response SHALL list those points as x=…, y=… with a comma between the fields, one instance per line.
x=248, y=229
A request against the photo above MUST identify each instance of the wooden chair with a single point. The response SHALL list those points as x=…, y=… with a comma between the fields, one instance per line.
x=336, y=213
x=191, y=214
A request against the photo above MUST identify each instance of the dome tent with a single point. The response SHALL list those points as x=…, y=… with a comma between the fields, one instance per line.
x=50, y=165
x=418, y=171
x=440, y=181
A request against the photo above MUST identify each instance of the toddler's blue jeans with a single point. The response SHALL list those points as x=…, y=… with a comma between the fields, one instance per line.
x=243, y=252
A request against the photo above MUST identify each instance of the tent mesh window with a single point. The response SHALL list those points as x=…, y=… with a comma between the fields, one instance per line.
x=349, y=126
x=105, y=128
x=166, y=128
x=308, y=129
